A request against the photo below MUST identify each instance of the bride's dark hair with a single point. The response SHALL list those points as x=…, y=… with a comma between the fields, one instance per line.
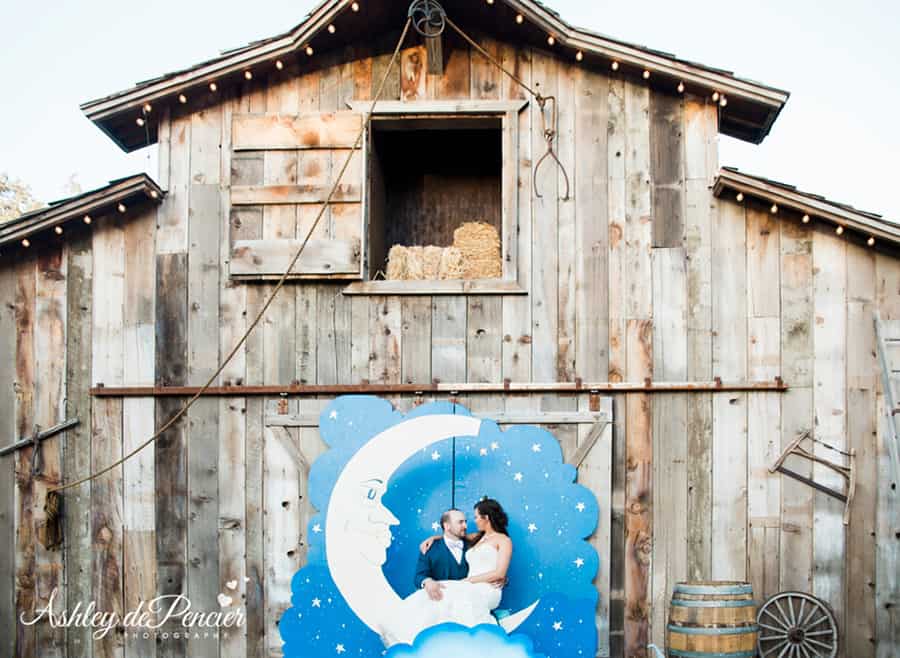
x=494, y=512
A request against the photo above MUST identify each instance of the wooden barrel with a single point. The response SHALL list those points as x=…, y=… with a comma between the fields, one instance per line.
x=715, y=618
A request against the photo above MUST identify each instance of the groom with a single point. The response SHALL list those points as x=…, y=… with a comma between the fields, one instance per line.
x=445, y=559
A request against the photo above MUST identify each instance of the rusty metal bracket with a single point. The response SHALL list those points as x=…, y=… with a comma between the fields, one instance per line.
x=39, y=436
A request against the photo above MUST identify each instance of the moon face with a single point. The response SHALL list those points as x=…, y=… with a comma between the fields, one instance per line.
x=357, y=530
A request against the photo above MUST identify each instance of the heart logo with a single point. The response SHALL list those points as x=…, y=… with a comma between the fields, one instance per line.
x=231, y=584
x=224, y=600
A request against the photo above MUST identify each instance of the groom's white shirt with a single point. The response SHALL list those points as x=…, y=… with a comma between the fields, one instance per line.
x=456, y=547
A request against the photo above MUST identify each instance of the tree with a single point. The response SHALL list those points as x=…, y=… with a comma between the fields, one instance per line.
x=15, y=198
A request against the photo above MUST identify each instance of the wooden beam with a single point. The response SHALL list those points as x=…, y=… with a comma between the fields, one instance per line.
x=434, y=47
x=500, y=417
x=461, y=106
x=449, y=388
x=255, y=257
x=312, y=130
x=257, y=195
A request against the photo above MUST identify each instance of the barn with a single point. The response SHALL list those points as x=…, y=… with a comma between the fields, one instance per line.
x=677, y=325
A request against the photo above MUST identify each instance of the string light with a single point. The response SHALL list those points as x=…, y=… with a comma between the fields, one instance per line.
x=279, y=64
x=355, y=6
x=182, y=99
x=139, y=121
x=551, y=40
x=490, y=2
x=723, y=102
x=579, y=56
x=248, y=75
x=806, y=219
x=122, y=207
x=26, y=243
x=740, y=197
x=58, y=230
x=774, y=208
x=715, y=96
x=87, y=219
x=147, y=108
x=680, y=87
x=213, y=86
x=520, y=19
x=332, y=29
x=839, y=230
x=646, y=74
x=154, y=194
x=309, y=51
x=871, y=241
x=615, y=65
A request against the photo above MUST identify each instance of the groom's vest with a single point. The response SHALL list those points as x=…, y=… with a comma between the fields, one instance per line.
x=439, y=564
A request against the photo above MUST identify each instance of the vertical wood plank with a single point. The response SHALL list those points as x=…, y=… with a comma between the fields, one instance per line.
x=108, y=354
x=139, y=521
x=729, y=451
x=830, y=405
x=172, y=237
x=700, y=166
x=667, y=169
x=517, y=334
x=887, y=593
x=415, y=362
x=448, y=339
x=77, y=462
x=7, y=464
x=545, y=236
x=862, y=436
x=568, y=245
x=670, y=442
x=797, y=320
x=49, y=409
x=24, y=493
x=591, y=226
x=170, y=458
x=202, y=418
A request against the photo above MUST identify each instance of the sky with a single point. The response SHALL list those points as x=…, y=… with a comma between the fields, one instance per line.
x=835, y=137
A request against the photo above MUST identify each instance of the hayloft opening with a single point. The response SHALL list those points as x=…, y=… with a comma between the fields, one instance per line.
x=429, y=176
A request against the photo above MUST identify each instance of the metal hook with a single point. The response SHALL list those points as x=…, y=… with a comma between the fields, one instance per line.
x=549, y=136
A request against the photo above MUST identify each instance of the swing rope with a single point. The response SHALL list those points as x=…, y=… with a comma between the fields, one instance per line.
x=365, y=125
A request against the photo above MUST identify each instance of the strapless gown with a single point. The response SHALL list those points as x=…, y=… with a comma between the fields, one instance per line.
x=463, y=603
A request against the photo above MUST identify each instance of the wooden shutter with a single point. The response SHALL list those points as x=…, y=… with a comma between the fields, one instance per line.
x=324, y=140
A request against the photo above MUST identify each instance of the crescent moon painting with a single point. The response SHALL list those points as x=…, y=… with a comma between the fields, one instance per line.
x=381, y=488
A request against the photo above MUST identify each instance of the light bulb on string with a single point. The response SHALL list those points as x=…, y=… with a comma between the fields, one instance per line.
x=154, y=194
x=248, y=75
x=140, y=121
x=614, y=65
x=551, y=40
x=806, y=219
x=871, y=241
x=774, y=209
x=646, y=74
x=121, y=207
x=520, y=19
x=839, y=230
x=680, y=87
x=723, y=101
x=740, y=197
x=579, y=56
x=182, y=99
x=355, y=6
x=715, y=96
x=87, y=219
x=148, y=108
x=332, y=29
x=279, y=64
x=309, y=51
x=58, y=230
x=26, y=243
x=213, y=86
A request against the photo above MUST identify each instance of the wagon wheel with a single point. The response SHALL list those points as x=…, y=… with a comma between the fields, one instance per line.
x=796, y=625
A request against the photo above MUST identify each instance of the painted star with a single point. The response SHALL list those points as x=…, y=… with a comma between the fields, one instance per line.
x=317, y=528
x=536, y=447
x=435, y=526
x=517, y=477
x=579, y=562
x=333, y=414
x=339, y=648
x=495, y=445
x=580, y=507
x=317, y=603
x=435, y=455
x=532, y=527
x=483, y=452
x=557, y=626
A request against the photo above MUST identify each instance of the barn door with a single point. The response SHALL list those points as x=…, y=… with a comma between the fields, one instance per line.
x=301, y=156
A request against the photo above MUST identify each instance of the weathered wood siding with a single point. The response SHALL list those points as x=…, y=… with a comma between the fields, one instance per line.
x=642, y=273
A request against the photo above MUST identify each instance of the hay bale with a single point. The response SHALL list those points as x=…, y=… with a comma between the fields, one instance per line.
x=451, y=264
x=396, y=265
x=415, y=266
x=479, y=244
x=431, y=262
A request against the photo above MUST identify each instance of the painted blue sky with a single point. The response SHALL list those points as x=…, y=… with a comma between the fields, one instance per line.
x=835, y=137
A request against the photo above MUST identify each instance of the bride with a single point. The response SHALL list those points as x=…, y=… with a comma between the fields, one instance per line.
x=468, y=602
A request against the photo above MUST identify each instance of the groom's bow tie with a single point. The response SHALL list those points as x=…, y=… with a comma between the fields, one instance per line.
x=455, y=543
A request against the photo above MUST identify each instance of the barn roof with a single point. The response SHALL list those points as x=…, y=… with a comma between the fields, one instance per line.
x=131, y=192
x=750, y=111
x=860, y=224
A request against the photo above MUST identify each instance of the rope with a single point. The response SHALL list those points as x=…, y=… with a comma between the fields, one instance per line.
x=278, y=286
x=548, y=133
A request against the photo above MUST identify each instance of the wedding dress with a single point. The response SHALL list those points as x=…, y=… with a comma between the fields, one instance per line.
x=462, y=603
